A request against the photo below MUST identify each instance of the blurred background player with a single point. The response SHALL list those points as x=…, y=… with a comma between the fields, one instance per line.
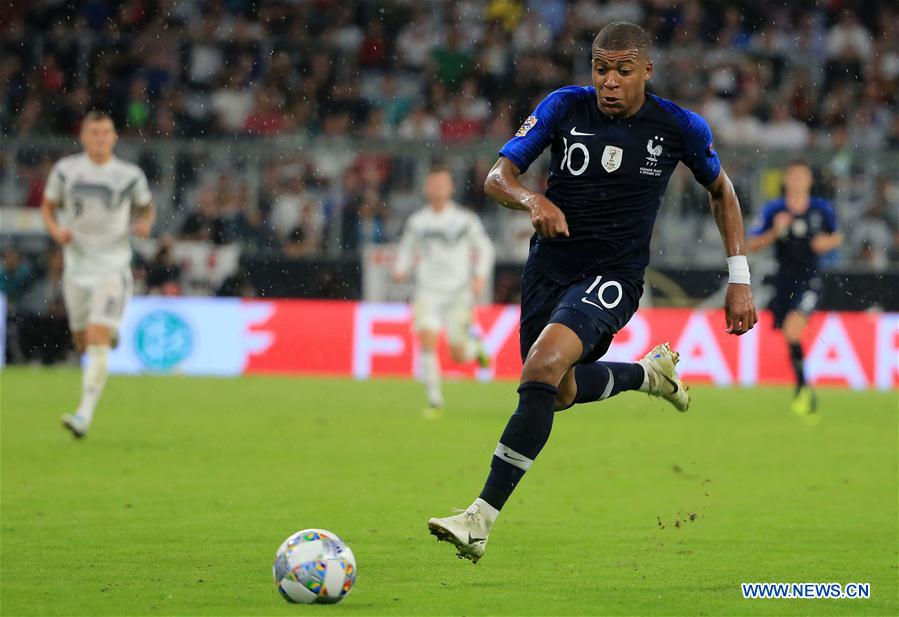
x=93, y=195
x=452, y=256
x=802, y=228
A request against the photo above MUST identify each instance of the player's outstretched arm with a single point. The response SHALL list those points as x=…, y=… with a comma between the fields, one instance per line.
x=502, y=184
x=739, y=307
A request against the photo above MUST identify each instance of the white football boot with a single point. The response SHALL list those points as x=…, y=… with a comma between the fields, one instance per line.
x=75, y=425
x=467, y=530
x=660, y=365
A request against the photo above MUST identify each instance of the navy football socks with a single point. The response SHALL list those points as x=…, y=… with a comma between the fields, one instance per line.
x=600, y=380
x=525, y=435
x=796, y=360
x=529, y=427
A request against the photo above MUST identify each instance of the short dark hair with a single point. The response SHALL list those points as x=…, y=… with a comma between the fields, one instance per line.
x=97, y=115
x=621, y=35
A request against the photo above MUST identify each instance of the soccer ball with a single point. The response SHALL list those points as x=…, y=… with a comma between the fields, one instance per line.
x=314, y=566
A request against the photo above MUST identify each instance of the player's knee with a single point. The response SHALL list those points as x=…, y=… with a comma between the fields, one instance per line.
x=79, y=342
x=97, y=335
x=427, y=340
x=544, y=364
x=457, y=353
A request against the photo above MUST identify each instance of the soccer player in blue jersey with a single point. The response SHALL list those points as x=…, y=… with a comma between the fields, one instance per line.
x=613, y=149
x=801, y=227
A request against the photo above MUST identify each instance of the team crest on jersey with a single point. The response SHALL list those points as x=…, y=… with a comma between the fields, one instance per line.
x=654, y=150
x=527, y=126
x=611, y=158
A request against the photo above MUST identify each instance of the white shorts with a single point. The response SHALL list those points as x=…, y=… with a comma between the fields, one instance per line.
x=450, y=312
x=102, y=303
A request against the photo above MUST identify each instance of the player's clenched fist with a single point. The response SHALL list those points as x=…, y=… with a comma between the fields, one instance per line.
x=739, y=309
x=547, y=218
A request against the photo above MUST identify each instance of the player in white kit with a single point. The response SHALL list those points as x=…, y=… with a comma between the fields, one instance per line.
x=88, y=204
x=452, y=256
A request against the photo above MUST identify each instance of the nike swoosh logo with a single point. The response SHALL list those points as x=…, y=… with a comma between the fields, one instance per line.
x=575, y=132
x=512, y=458
x=673, y=383
x=473, y=540
x=586, y=301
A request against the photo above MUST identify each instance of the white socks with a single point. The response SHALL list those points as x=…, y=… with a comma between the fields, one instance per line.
x=430, y=376
x=645, y=386
x=92, y=381
x=490, y=513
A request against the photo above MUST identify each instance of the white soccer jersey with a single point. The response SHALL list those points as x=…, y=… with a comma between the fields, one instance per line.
x=95, y=205
x=444, y=244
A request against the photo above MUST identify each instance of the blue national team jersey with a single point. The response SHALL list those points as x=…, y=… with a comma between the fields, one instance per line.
x=798, y=262
x=608, y=176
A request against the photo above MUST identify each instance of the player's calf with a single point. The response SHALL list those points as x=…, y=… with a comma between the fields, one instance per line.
x=598, y=381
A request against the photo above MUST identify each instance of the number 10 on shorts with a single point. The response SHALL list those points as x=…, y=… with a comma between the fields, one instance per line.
x=601, y=294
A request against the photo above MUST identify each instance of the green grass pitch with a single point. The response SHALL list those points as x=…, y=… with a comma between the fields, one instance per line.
x=178, y=499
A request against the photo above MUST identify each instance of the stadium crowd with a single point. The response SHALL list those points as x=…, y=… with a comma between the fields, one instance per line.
x=795, y=76
x=781, y=76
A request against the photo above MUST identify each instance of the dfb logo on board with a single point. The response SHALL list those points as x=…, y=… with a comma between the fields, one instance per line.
x=162, y=340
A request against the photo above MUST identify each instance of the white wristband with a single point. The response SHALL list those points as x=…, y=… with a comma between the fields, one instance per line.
x=738, y=270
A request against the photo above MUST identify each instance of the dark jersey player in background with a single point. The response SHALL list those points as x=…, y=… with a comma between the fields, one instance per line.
x=613, y=149
x=801, y=228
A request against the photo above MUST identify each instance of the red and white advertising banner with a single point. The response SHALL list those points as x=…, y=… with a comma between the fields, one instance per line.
x=363, y=339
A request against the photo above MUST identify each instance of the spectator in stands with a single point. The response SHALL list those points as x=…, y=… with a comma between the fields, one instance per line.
x=137, y=109
x=784, y=131
x=451, y=62
x=743, y=128
x=420, y=125
x=874, y=237
x=391, y=102
x=373, y=49
x=163, y=271
x=849, y=44
x=774, y=77
x=205, y=224
x=304, y=239
x=247, y=223
x=237, y=285
x=267, y=117
x=532, y=35
x=314, y=49
x=233, y=100
x=372, y=218
x=16, y=276
x=416, y=41
x=44, y=331
x=296, y=219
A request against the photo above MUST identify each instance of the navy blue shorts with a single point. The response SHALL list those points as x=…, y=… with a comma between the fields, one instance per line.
x=802, y=297
x=595, y=308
